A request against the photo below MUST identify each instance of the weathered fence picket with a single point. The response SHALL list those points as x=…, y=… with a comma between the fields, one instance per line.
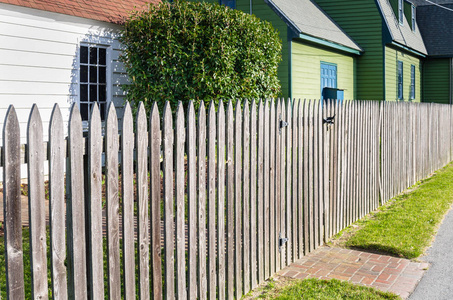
x=235, y=196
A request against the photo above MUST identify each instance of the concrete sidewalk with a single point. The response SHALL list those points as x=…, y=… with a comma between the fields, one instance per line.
x=438, y=281
x=387, y=273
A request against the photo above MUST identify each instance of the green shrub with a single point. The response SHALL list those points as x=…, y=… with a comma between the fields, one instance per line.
x=199, y=51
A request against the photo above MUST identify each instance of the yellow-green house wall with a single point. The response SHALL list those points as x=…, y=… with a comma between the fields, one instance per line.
x=306, y=70
x=392, y=56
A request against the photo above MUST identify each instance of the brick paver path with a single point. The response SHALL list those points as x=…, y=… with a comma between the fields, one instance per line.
x=387, y=273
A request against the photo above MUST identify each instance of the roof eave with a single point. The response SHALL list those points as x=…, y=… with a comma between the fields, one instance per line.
x=408, y=49
x=284, y=17
x=329, y=44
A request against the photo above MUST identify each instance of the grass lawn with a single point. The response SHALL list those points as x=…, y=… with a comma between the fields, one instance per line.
x=405, y=227
x=318, y=289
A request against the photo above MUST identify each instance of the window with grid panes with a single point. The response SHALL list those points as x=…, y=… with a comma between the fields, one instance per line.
x=93, y=80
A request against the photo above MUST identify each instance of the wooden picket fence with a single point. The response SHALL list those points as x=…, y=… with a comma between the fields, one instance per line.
x=222, y=201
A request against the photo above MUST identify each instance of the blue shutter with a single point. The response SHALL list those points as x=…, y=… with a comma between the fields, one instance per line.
x=412, y=82
x=400, y=80
x=328, y=76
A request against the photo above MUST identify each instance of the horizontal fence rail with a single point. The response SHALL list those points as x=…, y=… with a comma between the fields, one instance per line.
x=203, y=204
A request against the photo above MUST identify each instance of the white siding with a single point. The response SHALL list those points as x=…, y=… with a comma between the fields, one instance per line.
x=39, y=60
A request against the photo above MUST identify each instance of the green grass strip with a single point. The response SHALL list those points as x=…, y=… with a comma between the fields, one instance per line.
x=325, y=289
x=407, y=225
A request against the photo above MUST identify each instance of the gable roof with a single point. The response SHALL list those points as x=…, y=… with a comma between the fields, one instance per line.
x=306, y=18
x=424, y=2
x=401, y=34
x=436, y=28
x=112, y=11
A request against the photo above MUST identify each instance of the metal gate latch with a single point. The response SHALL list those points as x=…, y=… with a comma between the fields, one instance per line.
x=281, y=241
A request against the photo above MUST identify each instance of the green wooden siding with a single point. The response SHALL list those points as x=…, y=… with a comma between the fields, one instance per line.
x=436, y=76
x=392, y=56
x=306, y=70
x=363, y=23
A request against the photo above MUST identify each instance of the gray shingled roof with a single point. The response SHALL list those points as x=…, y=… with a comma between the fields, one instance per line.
x=307, y=18
x=436, y=26
x=424, y=2
x=401, y=34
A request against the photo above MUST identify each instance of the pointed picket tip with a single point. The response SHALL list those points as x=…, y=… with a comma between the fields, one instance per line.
x=11, y=115
x=75, y=119
x=141, y=113
x=11, y=124
x=202, y=109
x=238, y=105
x=167, y=111
x=112, y=118
x=34, y=120
x=180, y=112
x=211, y=106
x=56, y=117
x=253, y=105
x=127, y=114
x=191, y=109
x=155, y=108
x=246, y=107
x=95, y=114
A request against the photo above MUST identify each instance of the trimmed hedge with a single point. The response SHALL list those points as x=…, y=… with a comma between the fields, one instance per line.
x=199, y=51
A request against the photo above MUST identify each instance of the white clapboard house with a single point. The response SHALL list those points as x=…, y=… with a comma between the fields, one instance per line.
x=61, y=51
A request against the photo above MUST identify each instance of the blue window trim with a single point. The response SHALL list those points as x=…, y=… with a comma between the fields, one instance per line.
x=400, y=11
x=229, y=3
x=400, y=80
x=412, y=96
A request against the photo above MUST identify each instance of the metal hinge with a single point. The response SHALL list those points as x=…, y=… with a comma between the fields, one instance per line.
x=281, y=241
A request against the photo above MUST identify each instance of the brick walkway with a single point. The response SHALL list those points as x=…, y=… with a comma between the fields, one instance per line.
x=387, y=273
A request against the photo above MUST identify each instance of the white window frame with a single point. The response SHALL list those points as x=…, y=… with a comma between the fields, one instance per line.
x=414, y=14
x=400, y=11
x=102, y=42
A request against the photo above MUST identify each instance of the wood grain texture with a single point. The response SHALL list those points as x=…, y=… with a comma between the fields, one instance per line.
x=57, y=214
x=282, y=203
x=278, y=182
x=246, y=197
x=155, y=140
x=289, y=187
x=221, y=201
x=180, y=238
x=300, y=179
x=307, y=182
x=294, y=188
x=201, y=186
x=127, y=192
x=315, y=168
x=75, y=207
x=253, y=196
x=112, y=202
x=191, y=135
x=169, y=231
x=36, y=205
x=272, y=144
x=230, y=199
x=12, y=206
x=238, y=200
x=260, y=192
x=141, y=171
x=212, y=264
x=94, y=207
x=266, y=182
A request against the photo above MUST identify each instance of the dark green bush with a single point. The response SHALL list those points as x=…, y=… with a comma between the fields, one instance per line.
x=199, y=51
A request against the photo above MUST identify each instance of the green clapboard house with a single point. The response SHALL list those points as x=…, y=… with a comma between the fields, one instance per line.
x=436, y=26
x=391, y=66
x=319, y=58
